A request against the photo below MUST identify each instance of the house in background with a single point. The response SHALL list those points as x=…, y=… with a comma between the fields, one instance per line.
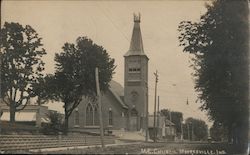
x=165, y=129
x=32, y=114
x=170, y=130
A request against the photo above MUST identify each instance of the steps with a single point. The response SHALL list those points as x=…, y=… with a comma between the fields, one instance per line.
x=27, y=142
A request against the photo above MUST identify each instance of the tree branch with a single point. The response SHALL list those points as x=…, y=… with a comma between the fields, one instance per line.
x=73, y=107
x=15, y=94
x=10, y=97
x=23, y=106
x=7, y=103
x=21, y=100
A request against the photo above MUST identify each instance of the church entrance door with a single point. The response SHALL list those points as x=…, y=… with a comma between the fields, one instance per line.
x=133, y=123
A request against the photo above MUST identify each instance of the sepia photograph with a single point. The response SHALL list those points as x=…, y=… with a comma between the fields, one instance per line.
x=124, y=77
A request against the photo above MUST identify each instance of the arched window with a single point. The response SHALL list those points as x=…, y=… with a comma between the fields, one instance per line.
x=89, y=115
x=96, y=115
x=76, y=118
x=92, y=115
x=110, y=117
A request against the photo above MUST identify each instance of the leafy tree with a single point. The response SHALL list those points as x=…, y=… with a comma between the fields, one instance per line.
x=197, y=129
x=75, y=73
x=44, y=89
x=21, y=65
x=219, y=43
x=176, y=118
x=55, y=124
x=218, y=132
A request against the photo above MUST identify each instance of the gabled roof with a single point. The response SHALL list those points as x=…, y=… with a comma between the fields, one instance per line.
x=162, y=120
x=168, y=122
x=118, y=91
x=136, y=44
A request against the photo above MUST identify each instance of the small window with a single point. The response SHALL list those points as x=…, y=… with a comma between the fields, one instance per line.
x=134, y=70
x=89, y=115
x=110, y=118
x=96, y=116
x=76, y=118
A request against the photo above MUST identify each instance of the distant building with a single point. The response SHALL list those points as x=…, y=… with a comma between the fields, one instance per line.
x=123, y=108
x=32, y=114
x=165, y=129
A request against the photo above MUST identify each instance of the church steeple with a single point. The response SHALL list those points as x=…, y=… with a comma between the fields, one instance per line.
x=136, y=44
x=136, y=80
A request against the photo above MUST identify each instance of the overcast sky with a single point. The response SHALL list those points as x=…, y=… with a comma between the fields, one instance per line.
x=109, y=24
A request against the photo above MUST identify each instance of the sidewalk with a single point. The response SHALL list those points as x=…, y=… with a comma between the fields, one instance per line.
x=130, y=135
x=117, y=143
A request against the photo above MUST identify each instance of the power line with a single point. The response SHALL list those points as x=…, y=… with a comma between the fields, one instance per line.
x=117, y=28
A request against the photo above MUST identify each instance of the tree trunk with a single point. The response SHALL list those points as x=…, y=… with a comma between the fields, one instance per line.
x=12, y=112
x=230, y=133
x=66, y=123
x=235, y=135
x=242, y=135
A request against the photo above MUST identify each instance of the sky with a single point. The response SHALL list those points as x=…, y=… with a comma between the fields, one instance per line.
x=109, y=24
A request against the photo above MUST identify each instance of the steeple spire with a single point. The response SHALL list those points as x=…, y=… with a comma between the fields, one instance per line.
x=136, y=45
x=137, y=18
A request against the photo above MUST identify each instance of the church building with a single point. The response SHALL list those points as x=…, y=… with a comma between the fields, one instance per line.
x=122, y=107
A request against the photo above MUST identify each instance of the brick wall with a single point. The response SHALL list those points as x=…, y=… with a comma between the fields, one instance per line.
x=109, y=102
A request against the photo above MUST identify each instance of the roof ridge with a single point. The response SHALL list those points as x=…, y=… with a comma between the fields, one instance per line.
x=115, y=94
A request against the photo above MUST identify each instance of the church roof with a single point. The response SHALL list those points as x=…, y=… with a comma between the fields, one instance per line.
x=136, y=44
x=118, y=91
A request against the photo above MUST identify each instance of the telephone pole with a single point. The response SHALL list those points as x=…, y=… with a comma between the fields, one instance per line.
x=156, y=81
x=146, y=130
x=158, y=114
x=100, y=105
x=192, y=133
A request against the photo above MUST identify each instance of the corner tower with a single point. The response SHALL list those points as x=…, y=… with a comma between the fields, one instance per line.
x=136, y=79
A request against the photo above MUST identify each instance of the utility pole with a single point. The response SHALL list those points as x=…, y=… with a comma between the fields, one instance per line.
x=156, y=81
x=1, y=112
x=188, y=131
x=181, y=131
x=158, y=114
x=192, y=133
x=170, y=118
x=100, y=105
x=146, y=84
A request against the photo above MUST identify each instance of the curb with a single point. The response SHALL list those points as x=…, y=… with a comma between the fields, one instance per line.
x=76, y=147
